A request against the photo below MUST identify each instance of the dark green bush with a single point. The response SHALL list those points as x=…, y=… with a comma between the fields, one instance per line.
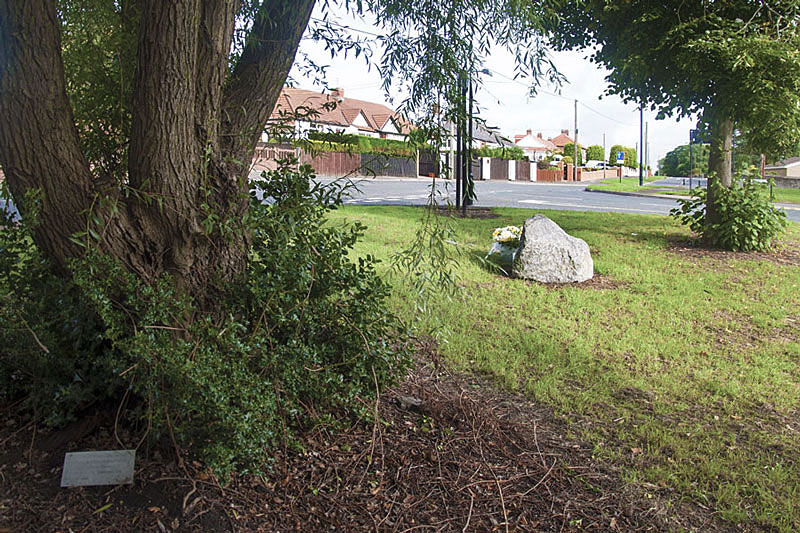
x=53, y=350
x=306, y=332
x=341, y=142
x=501, y=152
x=746, y=219
x=333, y=137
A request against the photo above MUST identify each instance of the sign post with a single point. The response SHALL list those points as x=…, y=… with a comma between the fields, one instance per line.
x=620, y=162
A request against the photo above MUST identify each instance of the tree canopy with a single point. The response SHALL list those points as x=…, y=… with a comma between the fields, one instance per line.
x=676, y=162
x=731, y=62
x=595, y=153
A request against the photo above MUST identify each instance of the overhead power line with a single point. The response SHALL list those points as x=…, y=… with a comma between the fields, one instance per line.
x=606, y=116
x=518, y=82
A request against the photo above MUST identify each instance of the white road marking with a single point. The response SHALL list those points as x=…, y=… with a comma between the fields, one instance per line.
x=584, y=206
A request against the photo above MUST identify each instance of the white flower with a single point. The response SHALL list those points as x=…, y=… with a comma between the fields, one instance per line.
x=508, y=234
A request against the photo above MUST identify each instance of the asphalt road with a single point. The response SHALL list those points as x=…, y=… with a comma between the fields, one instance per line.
x=532, y=195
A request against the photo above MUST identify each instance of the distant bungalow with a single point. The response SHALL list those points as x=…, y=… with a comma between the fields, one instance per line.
x=333, y=113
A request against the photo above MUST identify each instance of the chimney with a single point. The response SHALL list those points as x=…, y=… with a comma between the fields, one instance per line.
x=338, y=93
x=539, y=134
x=529, y=132
x=565, y=132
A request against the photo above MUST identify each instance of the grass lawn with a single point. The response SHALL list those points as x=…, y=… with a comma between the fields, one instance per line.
x=624, y=185
x=791, y=196
x=681, y=367
x=788, y=196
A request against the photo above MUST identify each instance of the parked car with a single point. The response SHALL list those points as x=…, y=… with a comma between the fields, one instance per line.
x=596, y=165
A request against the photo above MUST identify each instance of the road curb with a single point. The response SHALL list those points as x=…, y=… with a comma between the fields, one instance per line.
x=639, y=194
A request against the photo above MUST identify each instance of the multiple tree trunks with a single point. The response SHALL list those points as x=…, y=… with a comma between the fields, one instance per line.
x=193, y=123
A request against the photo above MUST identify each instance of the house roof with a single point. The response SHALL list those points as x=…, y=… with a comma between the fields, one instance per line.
x=336, y=110
x=483, y=133
x=790, y=162
x=534, y=142
x=561, y=140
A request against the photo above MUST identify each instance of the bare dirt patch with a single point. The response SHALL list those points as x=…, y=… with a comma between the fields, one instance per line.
x=786, y=254
x=451, y=453
x=598, y=282
x=472, y=212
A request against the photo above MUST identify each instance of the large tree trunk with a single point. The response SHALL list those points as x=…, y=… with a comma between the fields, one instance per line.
x=39, y=146
x=194, y=129
x=720, y=159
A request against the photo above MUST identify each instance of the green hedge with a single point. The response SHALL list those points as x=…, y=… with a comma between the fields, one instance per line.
x=344, y=142
x=503, y=152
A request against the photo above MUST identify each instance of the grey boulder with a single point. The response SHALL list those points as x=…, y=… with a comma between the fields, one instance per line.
x=548, y=254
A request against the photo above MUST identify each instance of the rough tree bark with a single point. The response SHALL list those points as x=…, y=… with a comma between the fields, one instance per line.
x=194, y=124
x=719, y=161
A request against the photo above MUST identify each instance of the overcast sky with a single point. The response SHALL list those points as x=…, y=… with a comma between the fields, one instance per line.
x=505, y=103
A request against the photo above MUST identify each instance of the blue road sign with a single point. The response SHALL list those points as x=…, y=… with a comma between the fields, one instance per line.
x=698, y=137
x=620, y=157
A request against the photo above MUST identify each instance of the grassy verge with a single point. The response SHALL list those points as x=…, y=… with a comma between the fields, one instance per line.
x=680, y=367
x=624, y=185
x=789, y=196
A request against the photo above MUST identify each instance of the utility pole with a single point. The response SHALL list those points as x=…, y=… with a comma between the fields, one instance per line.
x=646, y=148
x=641, y=142
x=605, y=159
x=575, y=145
x=691, y=159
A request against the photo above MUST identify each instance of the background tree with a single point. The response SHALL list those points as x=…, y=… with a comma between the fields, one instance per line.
x=595, y=153
x=676, y=162
x=630, y=155
x=569, y=150
x=735, y=63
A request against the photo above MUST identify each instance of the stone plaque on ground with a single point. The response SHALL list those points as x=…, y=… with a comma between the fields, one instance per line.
x=83, y=469
x=548, y=254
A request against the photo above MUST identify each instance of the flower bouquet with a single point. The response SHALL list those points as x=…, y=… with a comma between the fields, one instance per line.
x=504, y=248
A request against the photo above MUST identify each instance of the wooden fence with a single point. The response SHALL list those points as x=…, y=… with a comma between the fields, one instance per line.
x=380, y=165
x=338, y=164
x=333, y=164
x=523, y=170
x=499, y=169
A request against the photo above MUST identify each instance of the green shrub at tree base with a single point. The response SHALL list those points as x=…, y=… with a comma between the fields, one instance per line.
x=745, y=220
x=306, y=332
x=55, y=356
